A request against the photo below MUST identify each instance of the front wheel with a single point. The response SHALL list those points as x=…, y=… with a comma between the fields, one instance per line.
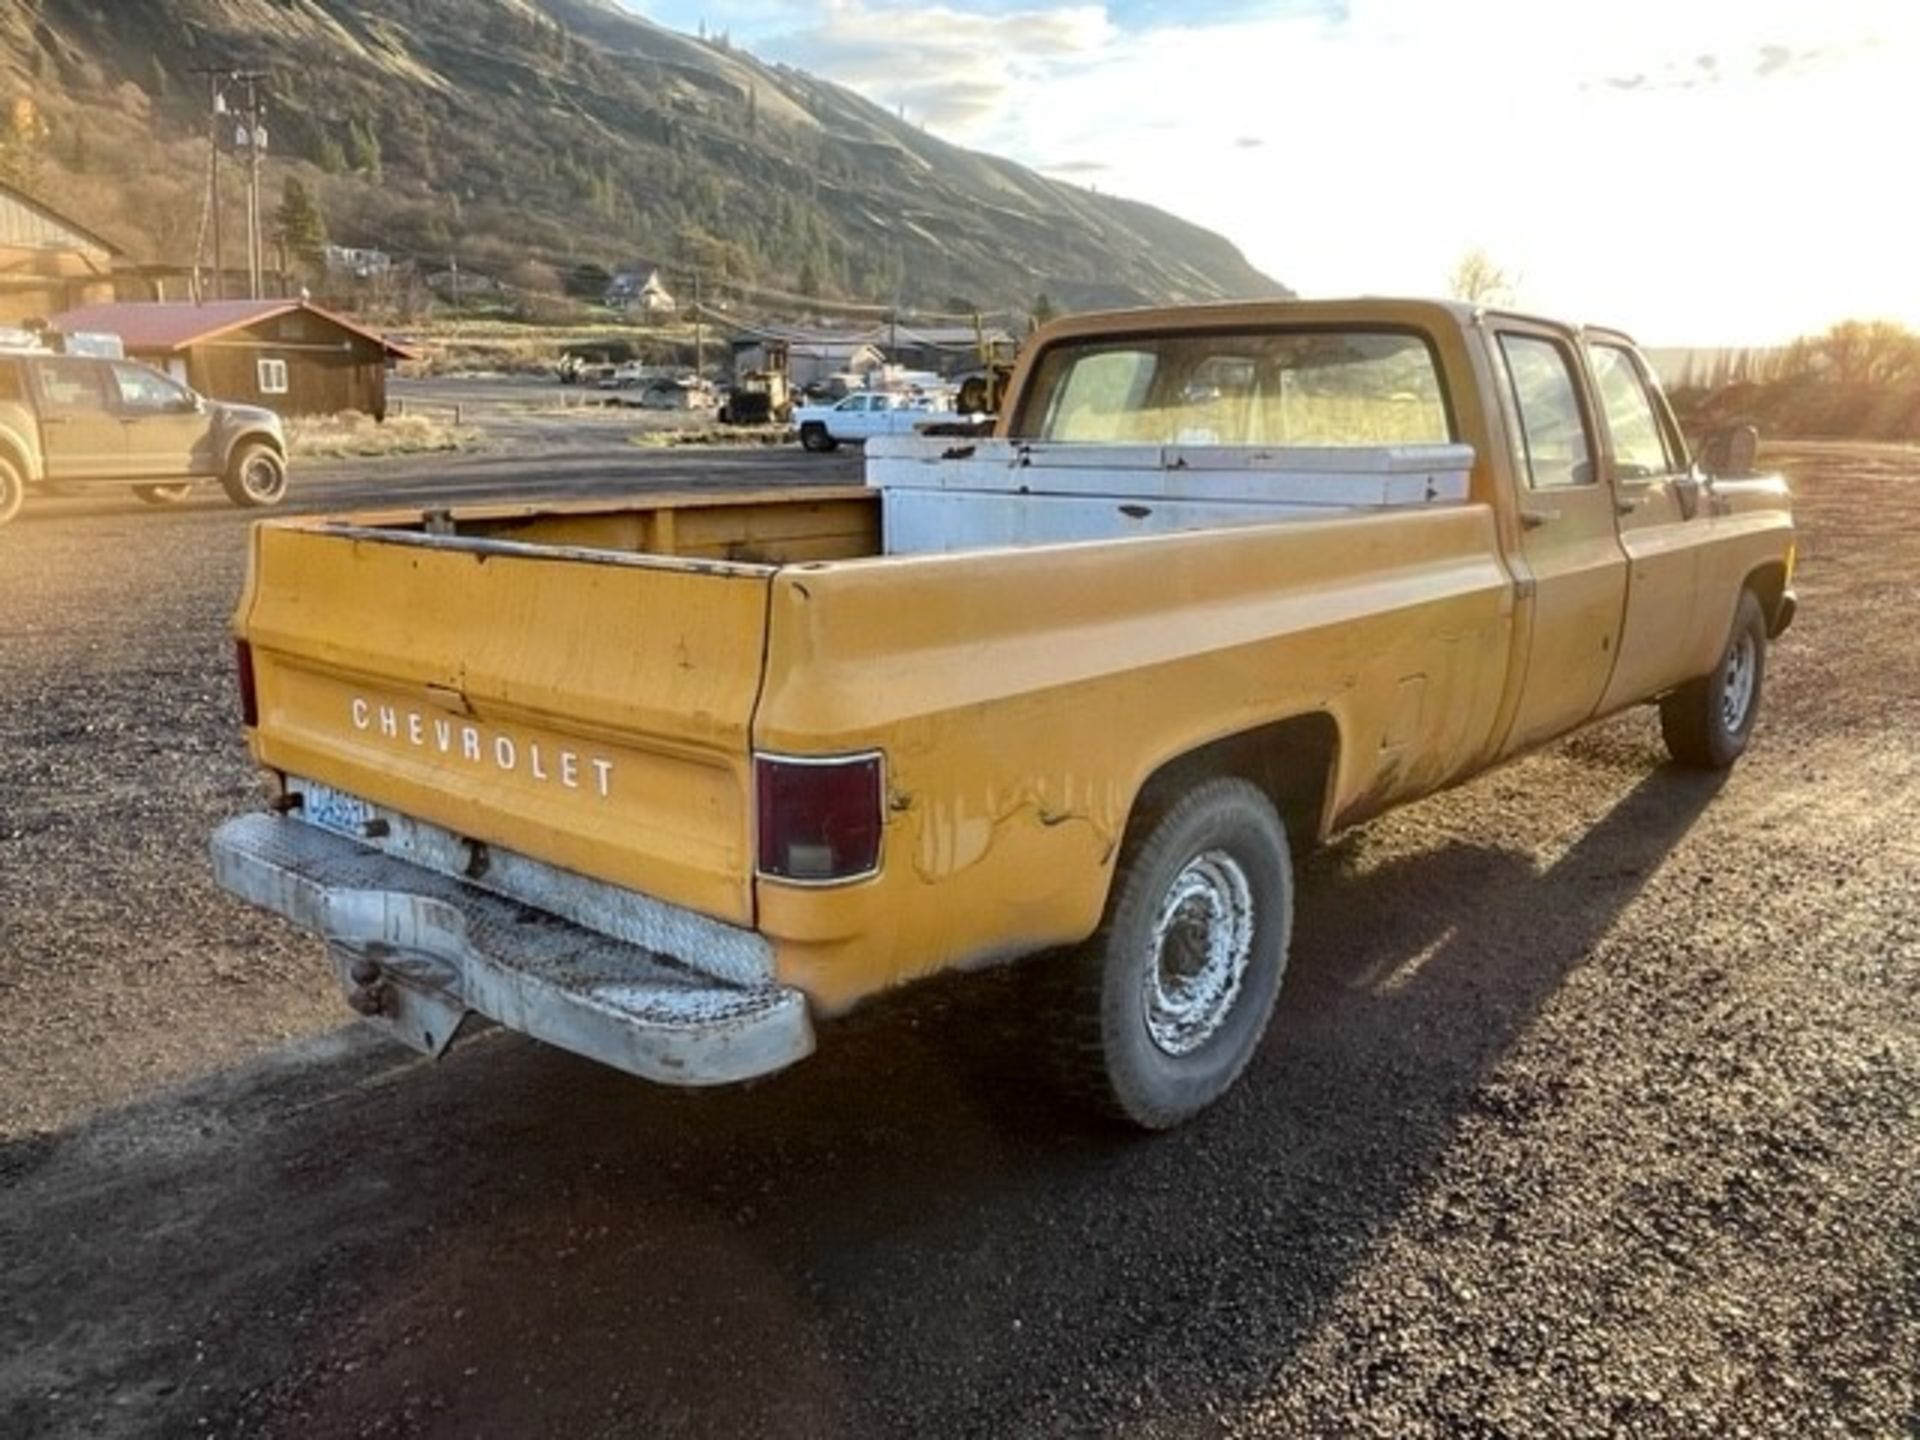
x=1157, y=1015
x=1707, y=722
x=13, y=490
x=256, y=477
x=163, y=494
x=816, y=439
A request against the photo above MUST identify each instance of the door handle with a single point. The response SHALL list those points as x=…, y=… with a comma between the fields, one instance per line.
x=1534, y=519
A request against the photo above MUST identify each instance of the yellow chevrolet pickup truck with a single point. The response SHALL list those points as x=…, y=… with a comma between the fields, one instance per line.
x=668, y=782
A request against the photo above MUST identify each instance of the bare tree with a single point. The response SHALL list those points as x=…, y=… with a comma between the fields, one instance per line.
x=1478, y=281
x=1858, y=352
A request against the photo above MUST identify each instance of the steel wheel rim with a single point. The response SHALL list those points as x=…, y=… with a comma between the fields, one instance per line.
x=260, y=478
x=1736, y=691
x=1200, y=948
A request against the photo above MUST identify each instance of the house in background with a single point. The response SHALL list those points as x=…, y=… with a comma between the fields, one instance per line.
x=48, y=263
x=357, y=264
x=641, y=289
x=288, y=355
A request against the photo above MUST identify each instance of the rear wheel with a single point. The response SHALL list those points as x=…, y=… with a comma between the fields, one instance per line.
x=1707, y=722
x=1156, y=1016
x=13, y=490
x=816, y=439
x=163, y=494
x=256, y=476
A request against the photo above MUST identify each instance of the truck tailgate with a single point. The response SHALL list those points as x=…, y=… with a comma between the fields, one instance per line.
x=588, y=708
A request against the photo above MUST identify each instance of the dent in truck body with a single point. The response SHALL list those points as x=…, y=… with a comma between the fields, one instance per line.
x=1009, y=849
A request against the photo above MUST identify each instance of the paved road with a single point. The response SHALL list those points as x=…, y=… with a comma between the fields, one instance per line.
x=1591, y=1107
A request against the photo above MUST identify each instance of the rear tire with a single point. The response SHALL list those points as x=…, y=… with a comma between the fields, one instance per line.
x=13, y=491
x=1707, y=722
x=1156, y=1016
x=163, y=494
x=256, y=477
x=816, y=439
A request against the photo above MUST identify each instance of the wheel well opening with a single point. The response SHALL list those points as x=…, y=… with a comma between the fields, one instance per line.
x=1292, y=760
x=255, y=437
x=1769, y=587
x=16, y=460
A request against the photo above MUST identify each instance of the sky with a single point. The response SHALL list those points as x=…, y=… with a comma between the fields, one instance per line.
x=1698, y=172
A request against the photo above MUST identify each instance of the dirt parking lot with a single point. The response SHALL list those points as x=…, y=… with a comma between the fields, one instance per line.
x=1592, y=1106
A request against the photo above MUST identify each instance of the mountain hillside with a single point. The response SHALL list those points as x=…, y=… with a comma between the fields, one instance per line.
x=561, y=132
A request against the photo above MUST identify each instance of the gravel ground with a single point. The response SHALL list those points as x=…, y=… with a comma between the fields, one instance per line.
x=1592, y=1106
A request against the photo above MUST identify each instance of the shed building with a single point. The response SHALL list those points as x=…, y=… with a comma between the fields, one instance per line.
x=288, y=355
x=48, y=263
x=811, y=360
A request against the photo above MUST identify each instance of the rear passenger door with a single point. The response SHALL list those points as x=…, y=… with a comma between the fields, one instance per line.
x=1660, y=525
x=80, y=434
x=1574, y=578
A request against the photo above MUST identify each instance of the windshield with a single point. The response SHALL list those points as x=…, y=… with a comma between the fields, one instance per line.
x=1273, y=387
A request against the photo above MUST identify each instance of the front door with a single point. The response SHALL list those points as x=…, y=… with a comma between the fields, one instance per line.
x=1660, y=526
x=1569, y=547
x=167, y=434
x=80, y=432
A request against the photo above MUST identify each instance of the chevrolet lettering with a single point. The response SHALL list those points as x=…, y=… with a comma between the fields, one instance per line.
x=474, y=745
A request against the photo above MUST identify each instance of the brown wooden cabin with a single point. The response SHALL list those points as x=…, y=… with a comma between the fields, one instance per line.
x=288, y=355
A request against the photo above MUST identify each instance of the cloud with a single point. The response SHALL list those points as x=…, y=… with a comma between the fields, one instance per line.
x=1247, y=142
x=950, y=68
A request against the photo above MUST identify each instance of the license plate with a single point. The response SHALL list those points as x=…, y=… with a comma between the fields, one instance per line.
x=330, y=810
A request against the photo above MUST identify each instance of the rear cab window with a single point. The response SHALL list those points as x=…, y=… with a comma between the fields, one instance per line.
x=71, y=386
x=1281, y=386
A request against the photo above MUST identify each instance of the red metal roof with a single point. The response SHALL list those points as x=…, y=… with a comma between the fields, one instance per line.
x=154, y=325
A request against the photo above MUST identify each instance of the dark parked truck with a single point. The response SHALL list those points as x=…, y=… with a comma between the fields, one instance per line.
x=667, y=782
x=72, y=421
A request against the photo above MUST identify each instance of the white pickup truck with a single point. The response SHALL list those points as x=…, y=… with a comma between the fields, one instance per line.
x=866, y=414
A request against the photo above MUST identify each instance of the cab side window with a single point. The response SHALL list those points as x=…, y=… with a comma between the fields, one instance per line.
x=1641, y=446
x=71, y=387
x=146, y=391
x=1553, y=447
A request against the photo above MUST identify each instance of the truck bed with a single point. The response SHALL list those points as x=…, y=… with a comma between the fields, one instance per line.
x=585, y=686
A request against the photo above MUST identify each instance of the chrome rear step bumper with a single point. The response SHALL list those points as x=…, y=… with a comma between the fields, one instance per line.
x=419, y=950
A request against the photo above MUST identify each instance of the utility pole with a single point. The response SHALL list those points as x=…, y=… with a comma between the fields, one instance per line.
x=256, y=134
x=699, y=331
x=250, y=134
x=216, y=107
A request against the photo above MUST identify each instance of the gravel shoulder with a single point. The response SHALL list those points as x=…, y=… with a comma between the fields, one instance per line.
x=1592, y=1105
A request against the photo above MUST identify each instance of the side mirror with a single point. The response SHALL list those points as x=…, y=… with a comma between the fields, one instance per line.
x=1729, y=452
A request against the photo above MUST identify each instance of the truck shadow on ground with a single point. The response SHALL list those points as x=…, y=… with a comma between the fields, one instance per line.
x=904, y=1235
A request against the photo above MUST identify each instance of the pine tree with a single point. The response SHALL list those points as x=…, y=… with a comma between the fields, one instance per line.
x=299, y=224
x=363, y=148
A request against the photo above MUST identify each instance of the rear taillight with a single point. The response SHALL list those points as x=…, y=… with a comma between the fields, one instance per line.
x=819, y=820
x=249, y=699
